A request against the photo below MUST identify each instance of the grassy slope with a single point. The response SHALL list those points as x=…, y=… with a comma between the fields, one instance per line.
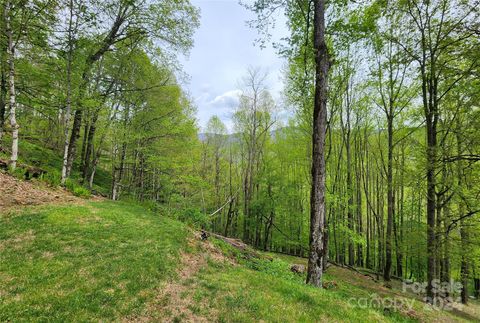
x=240, y=294
x=273, y=294
x=84, y=262
x=108, y=261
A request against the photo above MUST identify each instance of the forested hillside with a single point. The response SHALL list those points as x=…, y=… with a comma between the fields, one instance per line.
x=369, y=160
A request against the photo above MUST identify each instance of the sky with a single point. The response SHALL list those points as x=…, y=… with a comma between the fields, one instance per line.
x=224, y=48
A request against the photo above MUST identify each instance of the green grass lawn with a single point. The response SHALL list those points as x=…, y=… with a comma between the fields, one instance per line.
x=265, y=290
x=108, y=261
x=273, y=294
x=98, y=261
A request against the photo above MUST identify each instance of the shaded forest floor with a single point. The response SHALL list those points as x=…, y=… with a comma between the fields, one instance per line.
x=80, y=260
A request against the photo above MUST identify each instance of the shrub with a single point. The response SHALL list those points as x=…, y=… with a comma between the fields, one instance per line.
x=77, y=189
x=82, y=192
x=51, y=178
x=194, y=217
x=18, y=172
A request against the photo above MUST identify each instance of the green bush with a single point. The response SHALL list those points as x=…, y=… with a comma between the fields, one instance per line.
x=193, y=216
x=70, y=185
x=17, y=172
x=51, y=178
x=82, y=192
x=77, y=189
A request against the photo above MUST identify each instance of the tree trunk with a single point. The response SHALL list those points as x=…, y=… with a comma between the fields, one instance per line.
x=463, y=228
x=464, y=264
x=317, y=196
x=3, y=96
x=11, y=84
x=380, y=225
x=94, y=168
x=230, y=215
x=230, y=212
x=86, y=128
x=401, y=210
x=390, y=201
x=360, y=232
x=118, y=178
x=351, y=252
x=68, y=106
x=72, y=145
x=89, y=145
x=476, y=284
x=429, y=88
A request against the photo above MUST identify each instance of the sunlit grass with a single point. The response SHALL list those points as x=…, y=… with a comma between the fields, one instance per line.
x=94, y=262
x=105, y=261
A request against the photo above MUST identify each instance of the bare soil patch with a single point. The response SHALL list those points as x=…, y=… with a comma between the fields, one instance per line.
x=175, y=301
x=16, y=193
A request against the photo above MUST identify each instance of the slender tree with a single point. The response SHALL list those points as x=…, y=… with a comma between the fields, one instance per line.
x=317, y=195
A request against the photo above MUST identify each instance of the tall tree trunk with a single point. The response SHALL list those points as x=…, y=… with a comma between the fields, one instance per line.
x=3, y=95
x=476, y=284
x=86, y=165
x=117, y=179
x=86, y=128
x=463, y=228
x=431, y=206
x=230, y=215
x=398, y=267
x=93, y=170
x=464, y=263
x=118, y=174
x=351, y=252
x=390, y=201
x=400, y=247
x=317, y=196
x=380, y=225
x=230, y=212
x=446, y=251
x=360, y=232
x=72, y=144
x=68, y=105
x=366, y=183
x=11, y=84
x=217, y=219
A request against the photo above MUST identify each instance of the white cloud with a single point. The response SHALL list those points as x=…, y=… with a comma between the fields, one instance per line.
x=223, y=50
x=228, y=99
x=221, y=105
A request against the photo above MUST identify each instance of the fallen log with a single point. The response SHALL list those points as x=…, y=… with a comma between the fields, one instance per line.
x=236, y=243
x=355, y=270
x=30, y=171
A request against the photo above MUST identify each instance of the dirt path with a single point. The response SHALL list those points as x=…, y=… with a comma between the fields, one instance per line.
x=15, y=193
x=174, y=301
